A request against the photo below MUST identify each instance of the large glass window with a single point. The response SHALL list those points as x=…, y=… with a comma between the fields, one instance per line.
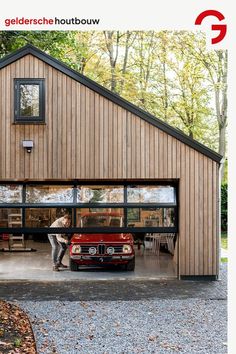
x=44, y=217
x=29, y=100
x=140, y=206
x=101, y=194
x=10, y=193
x=152, y=217
x=104, y=217
x=11, y=217
x=151, y=194
x=49, y=194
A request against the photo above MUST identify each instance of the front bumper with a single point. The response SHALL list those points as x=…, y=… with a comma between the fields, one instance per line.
x=88, y=259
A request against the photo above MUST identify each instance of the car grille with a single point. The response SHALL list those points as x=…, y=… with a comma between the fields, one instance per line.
x=101, y=248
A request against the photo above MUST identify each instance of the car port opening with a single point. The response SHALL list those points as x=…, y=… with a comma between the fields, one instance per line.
x=145, y=215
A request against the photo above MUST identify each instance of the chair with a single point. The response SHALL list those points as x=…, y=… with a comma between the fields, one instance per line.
x=170, y=243
x=152, y=242
x=156, y=243
x=148, y=241
x=163, y=239
x=16, y=241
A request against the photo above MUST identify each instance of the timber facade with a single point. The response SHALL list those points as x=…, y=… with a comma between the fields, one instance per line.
x=91, y=134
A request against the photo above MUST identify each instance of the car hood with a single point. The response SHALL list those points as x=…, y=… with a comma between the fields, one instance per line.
x=96, y=238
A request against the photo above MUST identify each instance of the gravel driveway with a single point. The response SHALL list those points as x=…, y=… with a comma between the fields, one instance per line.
x=160, y=326
x=156, y=325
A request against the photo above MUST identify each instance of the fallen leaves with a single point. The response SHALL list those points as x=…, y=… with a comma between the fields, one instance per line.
x=84, y=304
x=4, y=343
x=16, y=335
x=91, y=336
x=173, y=347
x=152, y=338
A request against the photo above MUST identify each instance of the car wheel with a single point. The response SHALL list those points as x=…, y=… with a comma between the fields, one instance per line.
x=130, y=265
x=73, y=265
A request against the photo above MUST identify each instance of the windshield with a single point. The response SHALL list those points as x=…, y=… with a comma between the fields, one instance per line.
x=101, y=221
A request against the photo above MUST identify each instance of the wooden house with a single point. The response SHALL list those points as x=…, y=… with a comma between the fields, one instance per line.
x=69, y=143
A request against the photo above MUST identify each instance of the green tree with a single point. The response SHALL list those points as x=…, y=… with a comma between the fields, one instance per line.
x=215, y=63
x=224, y=206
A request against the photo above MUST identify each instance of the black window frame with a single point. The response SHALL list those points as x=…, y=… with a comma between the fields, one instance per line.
x=74, y=205
x=40, y=119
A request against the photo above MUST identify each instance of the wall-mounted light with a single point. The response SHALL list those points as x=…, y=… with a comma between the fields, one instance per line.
x=28, y=145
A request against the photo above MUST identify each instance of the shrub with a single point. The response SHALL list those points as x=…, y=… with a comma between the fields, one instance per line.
x=224, y=206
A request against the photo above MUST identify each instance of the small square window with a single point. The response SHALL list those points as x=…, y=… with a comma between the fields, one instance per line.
x=29, y=101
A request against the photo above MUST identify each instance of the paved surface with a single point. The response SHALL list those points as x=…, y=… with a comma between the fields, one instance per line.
x=115, y=290
x=33, y=266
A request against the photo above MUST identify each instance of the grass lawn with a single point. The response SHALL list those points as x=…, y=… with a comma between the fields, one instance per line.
x=224, y=244
x=224, y=240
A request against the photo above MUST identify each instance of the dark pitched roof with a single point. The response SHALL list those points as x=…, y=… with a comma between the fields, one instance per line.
x=30, y=49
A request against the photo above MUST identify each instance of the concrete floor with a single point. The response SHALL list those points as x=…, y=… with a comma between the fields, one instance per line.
x=36, y=266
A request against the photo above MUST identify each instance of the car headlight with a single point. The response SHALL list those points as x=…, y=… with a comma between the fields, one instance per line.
x=76, y=249
x=127, y=249
x=92, y=250
x=110, y=250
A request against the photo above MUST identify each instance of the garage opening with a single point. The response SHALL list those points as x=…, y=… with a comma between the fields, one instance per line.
x=147, y=210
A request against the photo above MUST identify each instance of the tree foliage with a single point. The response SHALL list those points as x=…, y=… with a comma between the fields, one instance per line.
x=224, y=206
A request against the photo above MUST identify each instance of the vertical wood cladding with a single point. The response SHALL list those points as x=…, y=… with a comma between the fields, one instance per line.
x=86, y=136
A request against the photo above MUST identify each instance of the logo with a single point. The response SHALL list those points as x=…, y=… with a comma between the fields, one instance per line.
x=220, y=27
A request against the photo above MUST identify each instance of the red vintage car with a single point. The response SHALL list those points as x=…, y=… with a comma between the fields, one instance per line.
x=103, y=248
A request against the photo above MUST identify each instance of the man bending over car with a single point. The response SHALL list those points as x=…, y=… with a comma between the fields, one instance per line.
x=59, y=242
